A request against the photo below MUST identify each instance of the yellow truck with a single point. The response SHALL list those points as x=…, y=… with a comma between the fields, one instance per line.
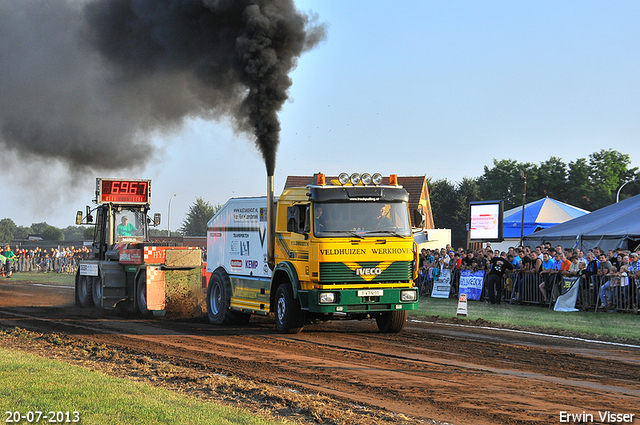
x=330, y=250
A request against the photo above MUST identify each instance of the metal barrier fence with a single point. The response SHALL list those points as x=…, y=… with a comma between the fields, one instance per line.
x=67, y=265
x=618, y=296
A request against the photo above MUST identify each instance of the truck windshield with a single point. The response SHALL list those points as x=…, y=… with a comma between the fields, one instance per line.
x=361, y=219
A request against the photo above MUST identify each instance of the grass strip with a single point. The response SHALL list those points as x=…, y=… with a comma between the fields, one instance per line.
x=63, y=279
x=29, y=383
x=585, y=324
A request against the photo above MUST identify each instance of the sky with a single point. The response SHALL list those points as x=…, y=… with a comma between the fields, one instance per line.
x=409, y=87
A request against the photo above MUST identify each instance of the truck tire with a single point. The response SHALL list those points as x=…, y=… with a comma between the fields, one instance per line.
x=97, y=290
x=141, y=295
x=391, y=321
x=85, y=290
x=289, y=315
x=219, y=300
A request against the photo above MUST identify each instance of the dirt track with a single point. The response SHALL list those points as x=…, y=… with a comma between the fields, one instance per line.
x=428, y=373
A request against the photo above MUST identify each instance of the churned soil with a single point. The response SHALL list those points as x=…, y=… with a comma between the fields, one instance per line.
x=337, y=372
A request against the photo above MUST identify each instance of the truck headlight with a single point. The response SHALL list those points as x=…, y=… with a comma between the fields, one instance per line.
x=327, y=297
x=409, y=295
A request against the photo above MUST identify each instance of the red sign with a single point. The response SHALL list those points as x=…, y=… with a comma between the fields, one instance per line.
x=131, y=256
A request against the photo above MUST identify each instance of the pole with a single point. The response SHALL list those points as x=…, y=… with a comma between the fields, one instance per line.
x=618, y=194
x=169, y=216
x=524, y=201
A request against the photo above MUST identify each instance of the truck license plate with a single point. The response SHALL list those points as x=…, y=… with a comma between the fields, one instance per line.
x=370, y=293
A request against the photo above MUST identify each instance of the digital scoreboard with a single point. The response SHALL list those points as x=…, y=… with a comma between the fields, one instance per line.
x=120, y=191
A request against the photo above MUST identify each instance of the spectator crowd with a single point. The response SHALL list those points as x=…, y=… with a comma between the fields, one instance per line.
x=55, y=260
x=608, y=280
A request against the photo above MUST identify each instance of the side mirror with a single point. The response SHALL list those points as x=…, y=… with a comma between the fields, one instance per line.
x=156, y=219
x=78, y=218
x=89, y=216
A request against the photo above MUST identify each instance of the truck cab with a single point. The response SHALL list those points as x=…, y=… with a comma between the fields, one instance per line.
x=340, y=251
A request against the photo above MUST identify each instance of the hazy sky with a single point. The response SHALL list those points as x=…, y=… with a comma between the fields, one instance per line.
x=409, y=87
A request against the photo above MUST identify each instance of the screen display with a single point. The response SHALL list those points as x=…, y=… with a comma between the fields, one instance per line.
x=123, y=191
x=486, y=221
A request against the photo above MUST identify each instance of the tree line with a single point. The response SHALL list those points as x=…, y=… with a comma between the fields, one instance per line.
x=585, y=183
x=194, y=224
x=589, y=184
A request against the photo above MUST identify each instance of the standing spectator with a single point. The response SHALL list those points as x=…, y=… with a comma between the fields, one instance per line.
x=546, y=275
x=604, y=266
x=592, y=264
x=634, y=265
x=606, y=290
x=574, y=268
x=455, y=262
x=8, y=262
x=479, y=262
x=526, y=267
x=494, y=281
x=467, y=261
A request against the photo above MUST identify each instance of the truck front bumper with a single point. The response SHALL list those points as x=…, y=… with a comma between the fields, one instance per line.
x=367, y=300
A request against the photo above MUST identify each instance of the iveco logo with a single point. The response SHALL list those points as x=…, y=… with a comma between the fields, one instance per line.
x=368, y=271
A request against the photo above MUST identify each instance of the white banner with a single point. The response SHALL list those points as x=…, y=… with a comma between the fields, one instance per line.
x=442, y=286
x=567, y=301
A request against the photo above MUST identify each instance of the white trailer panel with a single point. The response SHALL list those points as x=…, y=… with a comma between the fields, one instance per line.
x=237, y=238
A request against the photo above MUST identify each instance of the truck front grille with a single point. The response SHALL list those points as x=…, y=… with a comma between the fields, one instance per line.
x=366, y=271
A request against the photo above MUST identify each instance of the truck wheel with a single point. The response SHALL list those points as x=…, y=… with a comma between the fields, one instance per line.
x=141, y=295
x=289, y=316
x=97, y=290
x=391, y=321
x=85, y=291
x=219, y=300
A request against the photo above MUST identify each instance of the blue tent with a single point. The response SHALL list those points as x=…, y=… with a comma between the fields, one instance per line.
x=611, y=227
x=540, y=214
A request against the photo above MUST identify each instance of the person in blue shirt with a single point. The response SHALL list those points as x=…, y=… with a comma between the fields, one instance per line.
x=546, y=274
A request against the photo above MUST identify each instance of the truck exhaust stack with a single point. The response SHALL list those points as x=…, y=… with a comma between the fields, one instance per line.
x=271, y=228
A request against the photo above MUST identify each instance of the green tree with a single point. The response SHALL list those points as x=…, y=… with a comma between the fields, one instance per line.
x=73, y=233
x=195, y=223
x=579, y=189
x=609, y=170
x=8, y=230
x=47, y=231
x=551, y=179
x=450, y=206
x=503, y=181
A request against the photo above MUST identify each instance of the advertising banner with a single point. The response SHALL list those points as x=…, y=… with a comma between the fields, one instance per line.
x=442, y=286
x=567, y=301
x=471, y=284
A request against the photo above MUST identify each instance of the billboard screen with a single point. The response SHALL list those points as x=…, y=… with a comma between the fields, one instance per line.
x=485, y=221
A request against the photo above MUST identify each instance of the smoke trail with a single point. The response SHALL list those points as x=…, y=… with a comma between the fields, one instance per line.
x=89, y=83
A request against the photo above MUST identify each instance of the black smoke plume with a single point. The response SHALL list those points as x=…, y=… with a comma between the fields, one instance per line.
x=89, y=82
